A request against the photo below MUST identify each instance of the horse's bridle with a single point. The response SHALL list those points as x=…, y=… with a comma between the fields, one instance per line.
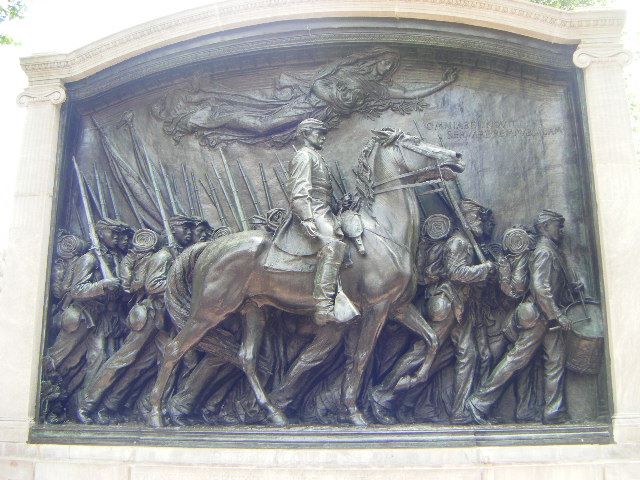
x=395, y=140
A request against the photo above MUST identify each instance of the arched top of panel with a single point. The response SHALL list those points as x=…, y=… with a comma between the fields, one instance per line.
x=513, y=16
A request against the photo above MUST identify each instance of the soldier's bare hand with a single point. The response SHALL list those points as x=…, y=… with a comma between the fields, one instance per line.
x=310, y=227
x=565, y=323
x=111, y=284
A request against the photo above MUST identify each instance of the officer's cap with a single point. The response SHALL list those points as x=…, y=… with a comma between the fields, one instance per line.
x=311, y=124
x=548, y=215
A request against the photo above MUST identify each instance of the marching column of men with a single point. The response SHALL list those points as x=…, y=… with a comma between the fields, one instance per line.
x=100, y=354
x=111, y=331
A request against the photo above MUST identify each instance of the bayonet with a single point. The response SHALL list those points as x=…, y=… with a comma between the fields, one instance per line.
x=163, y=213
x=204, y=187
x=286, y=174
x=93, y=236
x=215, y=200
x=281, y=183
x=225, y=194
x=188, y=190
x=167, y=184
x=116, y=213
x=265, y=187
x=234, y=191
x=252, y=193
x=101, y=199
x=196, y=196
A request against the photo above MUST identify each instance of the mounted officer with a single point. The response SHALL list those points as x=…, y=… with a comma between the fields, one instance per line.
x=312, y=228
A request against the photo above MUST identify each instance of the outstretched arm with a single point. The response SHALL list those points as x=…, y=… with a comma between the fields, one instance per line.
x=398, y=91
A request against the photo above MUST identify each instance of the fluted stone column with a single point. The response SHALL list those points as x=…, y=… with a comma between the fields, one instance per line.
x=23, y=286
x=616, y=181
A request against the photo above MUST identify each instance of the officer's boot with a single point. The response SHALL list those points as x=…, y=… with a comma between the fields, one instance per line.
x=325, y=284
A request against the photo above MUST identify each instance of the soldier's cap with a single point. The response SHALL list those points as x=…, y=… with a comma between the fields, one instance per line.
x=470, y=206
x=548, y=215
x=124, y=228
x=109, y=224
x=311, y=124
x=201, y=221
x=181, y=220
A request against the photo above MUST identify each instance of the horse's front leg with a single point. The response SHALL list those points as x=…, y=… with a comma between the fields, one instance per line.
x=254, y=321
x=358, y=358
x=409, y=316
x=175, y=349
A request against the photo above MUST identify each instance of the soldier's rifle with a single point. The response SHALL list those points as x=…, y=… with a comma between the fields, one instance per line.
x=213, y=196
x=250, y=189
x=196, y=195
x=280, y=182
x=116, y=212
x=225, y=194
x=163, y=213
x=286, y=175
x=101, y=198
x=265, y=187
x=341, y=177
x=458, y=213
x=93, y=236
x=167, y=183
x=234, y=190
x=188, y=190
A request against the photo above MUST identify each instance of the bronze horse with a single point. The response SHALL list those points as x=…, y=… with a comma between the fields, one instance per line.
x=210, y=281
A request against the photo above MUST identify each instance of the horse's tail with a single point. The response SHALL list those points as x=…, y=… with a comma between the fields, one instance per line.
x=177, y=296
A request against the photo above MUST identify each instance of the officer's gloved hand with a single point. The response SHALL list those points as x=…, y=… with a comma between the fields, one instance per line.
x=310, y=227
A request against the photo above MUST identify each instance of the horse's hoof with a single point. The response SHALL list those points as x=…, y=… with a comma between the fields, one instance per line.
x=356, y=418
x=277, y=418
x=154, y=419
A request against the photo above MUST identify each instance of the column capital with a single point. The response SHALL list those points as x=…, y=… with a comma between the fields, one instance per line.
x=54, y=93
x=587, y=53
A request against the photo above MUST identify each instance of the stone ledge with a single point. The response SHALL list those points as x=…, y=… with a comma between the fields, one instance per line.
x=325, y=437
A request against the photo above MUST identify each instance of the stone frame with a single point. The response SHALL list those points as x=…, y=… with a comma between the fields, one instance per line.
x=615, y=174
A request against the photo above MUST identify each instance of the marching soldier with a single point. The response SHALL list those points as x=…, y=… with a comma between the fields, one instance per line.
x=144, y=275
x=549, y=292
x=447, y=306
x=87, y=296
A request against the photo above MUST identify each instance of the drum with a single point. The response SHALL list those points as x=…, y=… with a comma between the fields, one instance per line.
x=585, y=340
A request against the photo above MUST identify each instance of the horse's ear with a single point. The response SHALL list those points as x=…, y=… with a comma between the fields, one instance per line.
x=381, y=135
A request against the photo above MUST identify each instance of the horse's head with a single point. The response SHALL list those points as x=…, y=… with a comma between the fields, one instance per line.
x=413, y=154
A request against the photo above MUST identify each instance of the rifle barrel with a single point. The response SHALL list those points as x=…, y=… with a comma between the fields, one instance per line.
x=116, y=212
x=93, y=236
x=265, y=187
x=196, y=195
x=216, y=201
x=234, y=190
x=225, y=194
x=250, y=189
x=187, y=190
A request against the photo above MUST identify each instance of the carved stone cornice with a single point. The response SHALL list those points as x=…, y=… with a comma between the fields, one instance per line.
x=515, y=16
x=586, y=54
x=55, y=94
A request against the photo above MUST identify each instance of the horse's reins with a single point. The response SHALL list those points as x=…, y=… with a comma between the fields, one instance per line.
x=407, y=175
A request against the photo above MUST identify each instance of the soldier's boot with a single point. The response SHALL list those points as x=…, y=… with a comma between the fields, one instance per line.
x=325, y=284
